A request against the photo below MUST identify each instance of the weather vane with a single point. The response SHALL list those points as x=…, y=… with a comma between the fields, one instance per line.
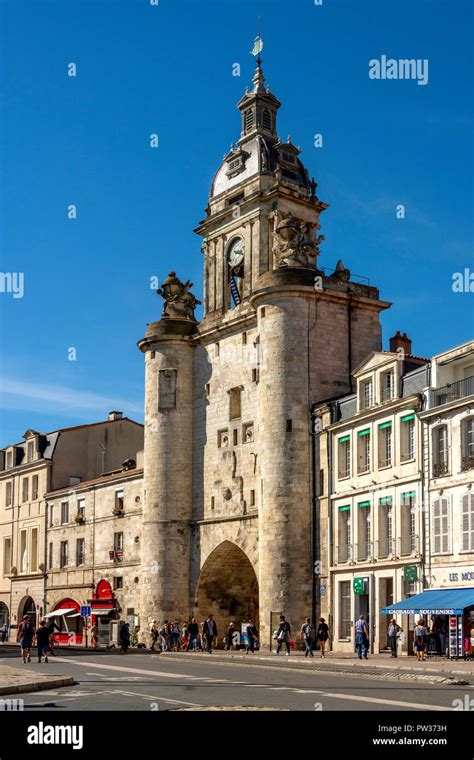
x=257, y=45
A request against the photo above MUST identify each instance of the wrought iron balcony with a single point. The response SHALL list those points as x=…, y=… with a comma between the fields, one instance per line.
x=364, y=551
x=467, y=462
x=385, y=548
x=440, y=469
x=453, y=391
x=409, y=545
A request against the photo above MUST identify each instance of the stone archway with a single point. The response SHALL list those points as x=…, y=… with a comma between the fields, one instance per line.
x=227, y=588
x=27, y=606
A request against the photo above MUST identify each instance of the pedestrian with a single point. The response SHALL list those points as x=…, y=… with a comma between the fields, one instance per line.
x=322, y=635
x=95, y=635
x=229, y=637
x=308, y=635
x=154, y=635
x=167, y=638
x=174, y=633
x=52, y=627
x=42, y=641
x=193, y=635
x=362, y=637
x=283, y=634
x=25, y=635
x=420, y=638
x=124, y=638
x=252, y=637
x=3, y=632
x=209, y=633
x=185, y=635
x=393, y=635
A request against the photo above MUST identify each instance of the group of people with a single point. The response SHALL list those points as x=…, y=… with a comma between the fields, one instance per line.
x=193, y=636
x=309, y=634
x=42, y=637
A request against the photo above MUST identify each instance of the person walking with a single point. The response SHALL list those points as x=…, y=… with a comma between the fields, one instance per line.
x=52, y=628
x=174, y=636
x=154, y=635
x=322, y=635
x=229, y=637
x=209, y=633
x=393, y=635
x=283, y=635
x=185, y=635
x=252, y=638
x=42, y=641
x=308, y=635
x=25, y=636
x=362, y=637
x=193, y=635
x=95, y=635
x=3, y=632
x=420, y=635
x=124, y=638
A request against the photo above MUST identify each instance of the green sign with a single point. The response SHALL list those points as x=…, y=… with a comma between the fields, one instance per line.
x=410, y=572
x=358, y=586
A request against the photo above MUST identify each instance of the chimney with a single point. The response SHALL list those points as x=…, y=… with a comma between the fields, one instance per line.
x=115, y=416
x=400, y=341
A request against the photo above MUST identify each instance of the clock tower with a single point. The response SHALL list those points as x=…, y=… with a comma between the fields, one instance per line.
x=230, y=507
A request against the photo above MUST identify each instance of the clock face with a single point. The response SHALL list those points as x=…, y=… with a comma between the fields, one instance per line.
x=235, y=254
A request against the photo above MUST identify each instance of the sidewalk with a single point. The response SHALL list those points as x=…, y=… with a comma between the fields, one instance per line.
x=380, y=665
x=18, y=681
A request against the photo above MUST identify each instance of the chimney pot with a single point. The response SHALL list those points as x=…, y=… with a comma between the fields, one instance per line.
x=115, y=416
x=400, y=341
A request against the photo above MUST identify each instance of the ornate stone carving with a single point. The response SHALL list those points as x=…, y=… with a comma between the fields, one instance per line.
x=294, y=241
x=179, y=302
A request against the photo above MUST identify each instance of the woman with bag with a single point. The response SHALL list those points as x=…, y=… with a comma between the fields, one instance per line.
x=393, y=635
x=283, y=635
x=322, y=635
x=420, y=638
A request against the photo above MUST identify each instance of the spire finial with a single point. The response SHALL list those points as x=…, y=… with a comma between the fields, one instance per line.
x=258, y=78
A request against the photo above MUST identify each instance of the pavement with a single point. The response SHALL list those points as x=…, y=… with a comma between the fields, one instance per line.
x=157, y=682
x=22, y=680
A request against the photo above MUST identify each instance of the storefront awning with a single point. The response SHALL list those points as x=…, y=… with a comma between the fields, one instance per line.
x=58, y=613
x=443, y=601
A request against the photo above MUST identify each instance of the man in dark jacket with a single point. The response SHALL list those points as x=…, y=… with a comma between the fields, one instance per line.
x=209, y=632
x=193, y=633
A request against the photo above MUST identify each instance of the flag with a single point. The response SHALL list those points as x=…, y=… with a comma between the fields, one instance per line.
x=257, y=45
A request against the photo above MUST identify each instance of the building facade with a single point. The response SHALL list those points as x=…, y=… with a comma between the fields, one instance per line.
x=41, y=463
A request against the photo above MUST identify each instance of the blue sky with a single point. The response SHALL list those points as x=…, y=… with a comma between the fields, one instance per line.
x=167, y=69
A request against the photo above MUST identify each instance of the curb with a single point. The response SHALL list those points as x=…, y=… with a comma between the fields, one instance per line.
x=22, y=688
x=379, y=671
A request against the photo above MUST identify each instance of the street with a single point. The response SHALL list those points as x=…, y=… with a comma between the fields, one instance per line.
x=153, y=682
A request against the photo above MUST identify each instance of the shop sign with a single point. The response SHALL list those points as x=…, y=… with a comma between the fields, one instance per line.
x=358, y=585
x=410, y=573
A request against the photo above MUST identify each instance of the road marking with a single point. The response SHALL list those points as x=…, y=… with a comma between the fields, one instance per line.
x=155, y=699
x=395, y=702
x=118, y=678
x=142, y=671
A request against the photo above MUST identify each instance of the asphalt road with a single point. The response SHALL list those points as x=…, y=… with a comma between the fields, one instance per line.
x=153, y=682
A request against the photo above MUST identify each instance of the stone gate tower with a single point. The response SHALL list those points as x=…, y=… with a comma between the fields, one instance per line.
x=228, y=471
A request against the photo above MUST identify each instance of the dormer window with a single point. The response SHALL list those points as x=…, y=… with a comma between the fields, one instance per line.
x=388, y=385
x=366, y=394
x=289, y=157
x=9, y=459
x=30, y=451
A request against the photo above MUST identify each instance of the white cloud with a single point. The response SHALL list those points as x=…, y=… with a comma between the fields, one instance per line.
x=49, y=398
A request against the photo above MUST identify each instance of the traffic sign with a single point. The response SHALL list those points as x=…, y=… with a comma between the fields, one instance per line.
x=86, y=611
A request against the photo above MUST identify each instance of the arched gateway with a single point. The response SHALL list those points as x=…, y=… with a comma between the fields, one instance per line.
x=227, y=588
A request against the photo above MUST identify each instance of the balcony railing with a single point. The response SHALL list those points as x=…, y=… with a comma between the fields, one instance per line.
x=387, y=394
x=364, y=551
x=343, y=553
x=440, y=469
x=409, y=545
x=453, y=391
x=385, y=548
x=467, y=462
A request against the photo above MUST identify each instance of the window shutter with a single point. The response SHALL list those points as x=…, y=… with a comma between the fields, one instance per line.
x=465, y=522
x=436, y=527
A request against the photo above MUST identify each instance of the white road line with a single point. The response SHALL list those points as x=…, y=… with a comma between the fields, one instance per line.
x=142, y=671
x=154, y=698
x=395, y=702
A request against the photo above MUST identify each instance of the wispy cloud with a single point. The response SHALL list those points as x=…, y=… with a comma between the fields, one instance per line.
x=50, y=398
